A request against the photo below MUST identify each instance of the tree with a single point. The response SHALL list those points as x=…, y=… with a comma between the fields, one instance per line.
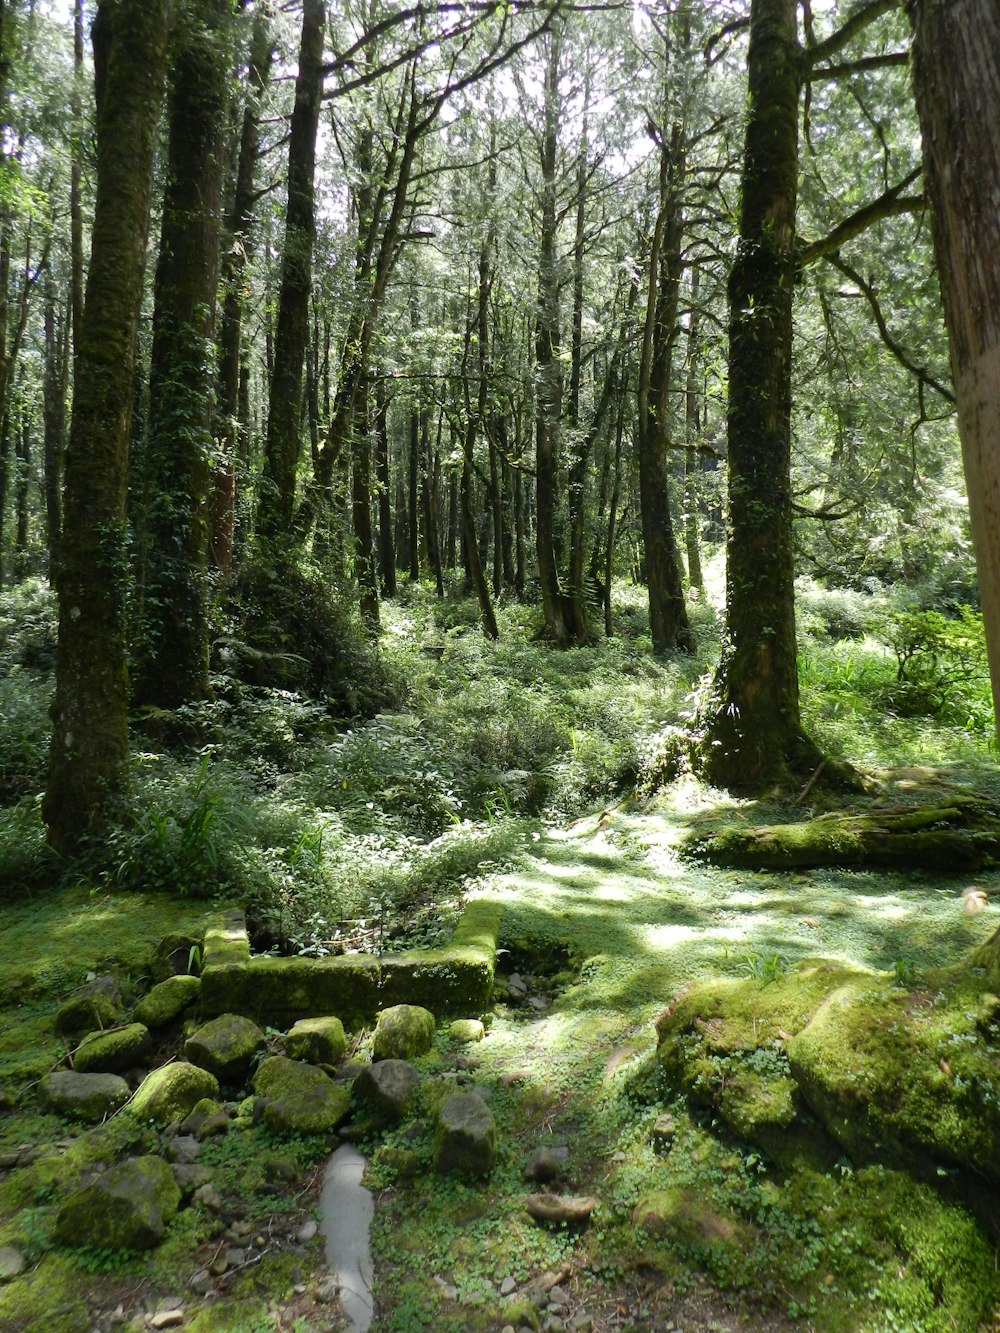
x=89, y=755
x=171, y=648
x=956, y=79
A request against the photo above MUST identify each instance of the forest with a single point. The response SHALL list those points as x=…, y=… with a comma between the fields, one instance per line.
x=499, y=594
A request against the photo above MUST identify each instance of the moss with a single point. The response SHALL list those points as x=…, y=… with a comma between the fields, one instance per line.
x=87, y=1011
x=319, y=1041
x=171, y=1093
x=403, y=1032
x=228, y=1316
x=125, y=1208
x=226, y=940
x=113, y=1052
x=36, y=1299
x=226, y=1046
x=300, y=1099
x=167, y=1001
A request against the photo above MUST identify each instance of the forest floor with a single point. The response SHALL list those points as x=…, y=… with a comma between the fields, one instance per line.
x=605, y=923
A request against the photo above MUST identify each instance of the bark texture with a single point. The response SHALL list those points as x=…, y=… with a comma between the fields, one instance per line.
x=754, y=734
x=956, y=78
x=89, y=756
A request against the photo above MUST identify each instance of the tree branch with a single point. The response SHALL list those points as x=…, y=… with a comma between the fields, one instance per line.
x=889, y=205
x=859, y=20
x=891, y=59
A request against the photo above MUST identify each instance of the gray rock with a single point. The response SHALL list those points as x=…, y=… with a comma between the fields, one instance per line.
x=167, y=1318
x=88, y=1097
x=12, y=1263
x=516, y=987
x=307, y=1231
x=402, y=1032
x=98, y=1004
x=508, y=1286
x=184, y=1150
x=387, y=1088
x=171, y=1092
x=190, y=1178
x=208, y=1196
x=201, y=1282
x=126, y=1208
x=465, y=1137
x=543, y=1166
x=226, y=1047
x=206, y=1119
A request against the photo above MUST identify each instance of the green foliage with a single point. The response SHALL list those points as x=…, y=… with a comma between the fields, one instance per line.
x=941, y=667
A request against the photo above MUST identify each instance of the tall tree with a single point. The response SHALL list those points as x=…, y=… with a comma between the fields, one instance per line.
x=281, y=457
x=956, y=78
x=171, y=647
x=89, y=756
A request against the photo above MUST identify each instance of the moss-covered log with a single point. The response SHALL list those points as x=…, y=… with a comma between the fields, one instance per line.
x=959, y=836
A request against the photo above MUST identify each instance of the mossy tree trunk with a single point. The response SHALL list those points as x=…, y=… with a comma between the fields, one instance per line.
x=956, y=78
x=89, y=756
x=281, y=451
x=754, y=734
x=239, y=251
x=668, y=620
x=171, y=648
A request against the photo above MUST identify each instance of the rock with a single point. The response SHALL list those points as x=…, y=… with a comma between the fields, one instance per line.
x=190, y=1178
x=98, y=1004
x=663, y=1133
x=226, y=1047
x=167, y=1319
x=300, y=1099
x=402, y=1032
x=387, y=1088
x=126, y=1208
x=183, y=1150
x=12, y=1263
x=318, y=1041
x=8, y=1100
x=544, y=1165
x=201, y=1283
x=560, y=1208
x=508, y=1286
x=113, y=1052
x=466, y=1030
x=465, y=1137
x=307, y=1231
x=558, y=1298
x=171, y=1093
x=685, y=1218
x=167, y=1001
x=88, y=1097
x=206, y=1119
x=177, y=953
x=539, y=1003
x=209, y=1197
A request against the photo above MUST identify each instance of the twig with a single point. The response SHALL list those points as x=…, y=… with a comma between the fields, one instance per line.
x=810, y=784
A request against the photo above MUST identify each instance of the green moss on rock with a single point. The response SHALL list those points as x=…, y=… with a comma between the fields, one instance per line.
x=172, y=1092
x=226, y=1047
x=126, y=1208
x=96, y=1005
x=300, y=1099
x=88, y=1097
x=403, y=1032
x=113, y=1052
x=318, y=1041
x=167, y=1001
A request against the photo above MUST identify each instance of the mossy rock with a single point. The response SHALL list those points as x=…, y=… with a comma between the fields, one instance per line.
x=962, y=835
x=175, y=954
x=465, y=1136
x=113, y=1052
x=97, y=1005
x=226, y=1047
x=226, y=942
x=300, y=1099
x=403, y=1032
x=896, y=1072
x=167, y=1001
x=225, y=1316
x=172, y=1092
x=387, y=1088
x=465, y=1031
x=685, y=1218
x=318, y=1041
x=87, y=1097
x=126, y=1208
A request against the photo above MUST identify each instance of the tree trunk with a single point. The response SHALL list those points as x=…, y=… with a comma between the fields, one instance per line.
x=240, y=247
x=361, y=508
x=54, y=395
x=386, y=548
x=171, y=648
x=281, y=451
x=754, y=734
x=413, y=492
x=668, y=621
x=89, y=756
x=692, y=438
x=956, y=78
